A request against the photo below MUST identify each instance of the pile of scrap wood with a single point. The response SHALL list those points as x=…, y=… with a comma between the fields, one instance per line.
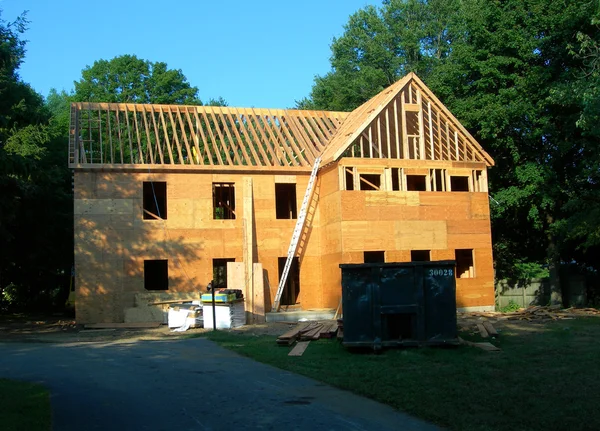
x=309, y=331
x=536, y=312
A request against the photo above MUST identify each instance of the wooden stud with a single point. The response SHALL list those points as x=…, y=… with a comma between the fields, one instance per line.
x=190, y=155
x=456, y=144
x=421, y=126
x=405, y=152
x=196, y=141
x=167, y=141
x=387, y=132
x=370, y=143
x=249, y=142
x=119, y=135
x=263, y=143
x=158, y=145
x=256, y=160
x=213, y=140
x=138, y=137
x=396, y=131
x=131, y=160
x=148, y=140
x=379, y=135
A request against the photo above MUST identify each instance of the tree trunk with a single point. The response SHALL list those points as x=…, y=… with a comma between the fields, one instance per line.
x=556, y=297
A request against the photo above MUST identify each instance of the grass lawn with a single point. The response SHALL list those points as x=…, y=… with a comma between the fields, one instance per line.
x=547, y=377
x=24, y=406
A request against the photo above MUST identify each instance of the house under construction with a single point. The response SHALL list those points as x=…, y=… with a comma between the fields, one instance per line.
x=168, y=198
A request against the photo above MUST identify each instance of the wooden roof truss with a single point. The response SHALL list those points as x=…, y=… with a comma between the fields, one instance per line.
x=405, y=121
x=134, y=134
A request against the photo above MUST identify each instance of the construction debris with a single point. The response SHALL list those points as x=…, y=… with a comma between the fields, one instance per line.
x=490, y=329
x=536, y=312
x=488, y=347
x=299, y=349
x=307, y=331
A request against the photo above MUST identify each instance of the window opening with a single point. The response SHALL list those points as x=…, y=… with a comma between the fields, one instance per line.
x=220, y=272
x=291, y=290
x=154, y=200
x=370, y=181
x=374, y=256
x=223, y=201
x=420, y=255
x=395, y=179
x=349, y=174
x=459, y=184
x=465, y=265
x=416, y=183
x=156, y=274
x=285, y=201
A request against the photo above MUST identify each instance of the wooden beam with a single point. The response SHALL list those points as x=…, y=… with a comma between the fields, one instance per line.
x=190, y=155
x=261, y=142
x=379, y=135
x=131, y=160
x=421, y=127
x=370, y=141
x=119, y=135
x=405, y=151
x=156, y=133
x=251, y=162
x=280, y=141
x=213, y=140
x=396, y=131
x=387, y=132
x=237, y=144
x=242, y=122
x=138, y=137
x=198, y=156
x=148, y=140
x=161, y=115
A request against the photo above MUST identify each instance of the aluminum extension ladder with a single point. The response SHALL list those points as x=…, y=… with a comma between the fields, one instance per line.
x=296, y=235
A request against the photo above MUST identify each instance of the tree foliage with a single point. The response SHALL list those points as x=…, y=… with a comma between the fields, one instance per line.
x=522, y=76
x=35, y=190
x=128, y=79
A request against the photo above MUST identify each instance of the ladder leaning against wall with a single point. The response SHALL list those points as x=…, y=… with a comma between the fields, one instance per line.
x=296, y=235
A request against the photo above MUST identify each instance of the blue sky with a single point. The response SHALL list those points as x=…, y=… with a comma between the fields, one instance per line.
x=252, y=53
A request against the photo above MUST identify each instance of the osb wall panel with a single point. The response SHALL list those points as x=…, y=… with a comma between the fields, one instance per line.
x=112, y=239
x=397, y=222
x=331, y=282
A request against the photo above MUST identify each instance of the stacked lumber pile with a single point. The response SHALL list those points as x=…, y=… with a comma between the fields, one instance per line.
x=536, y=312
x=307, y=331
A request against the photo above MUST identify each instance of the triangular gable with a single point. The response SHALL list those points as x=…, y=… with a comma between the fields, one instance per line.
x=404, y=121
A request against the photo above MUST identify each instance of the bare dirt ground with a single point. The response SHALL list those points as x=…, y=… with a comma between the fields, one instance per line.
x=62, y=329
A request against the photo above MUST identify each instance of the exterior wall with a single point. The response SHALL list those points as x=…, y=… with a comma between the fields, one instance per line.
x=331, y=237
x=400, y=221
x=112, y=239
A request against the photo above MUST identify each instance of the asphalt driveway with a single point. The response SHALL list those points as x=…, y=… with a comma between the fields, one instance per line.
x=190, y=384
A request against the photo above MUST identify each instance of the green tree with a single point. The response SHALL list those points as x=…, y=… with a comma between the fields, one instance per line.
x=128, y=79
x=506, y=69
x=35, y=191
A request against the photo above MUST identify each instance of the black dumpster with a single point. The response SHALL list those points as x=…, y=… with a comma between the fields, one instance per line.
x=399, y=304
